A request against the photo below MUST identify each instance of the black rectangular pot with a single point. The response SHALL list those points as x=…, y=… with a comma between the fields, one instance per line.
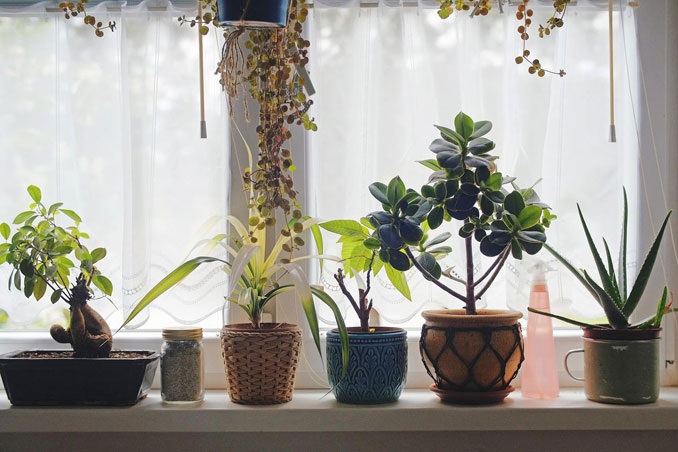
x=77, y=381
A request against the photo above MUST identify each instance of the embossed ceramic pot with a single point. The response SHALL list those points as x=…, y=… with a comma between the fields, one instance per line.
x=472, y=358
x=377, y=365
x=620, y=366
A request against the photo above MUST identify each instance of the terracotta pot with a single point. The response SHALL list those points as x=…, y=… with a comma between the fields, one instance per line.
x=472, y=353
x=260, y=364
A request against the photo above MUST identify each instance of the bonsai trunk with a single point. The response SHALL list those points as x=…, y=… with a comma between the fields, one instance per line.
x=88, y=333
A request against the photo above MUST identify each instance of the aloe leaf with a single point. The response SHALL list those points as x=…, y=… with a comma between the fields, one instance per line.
x=565, y=319
x=612, y=312
x=343, y=333
x=621, y=269
x=661, y=307
x=169, y=281
x=613, y=279
x=645, y=271
x=578, y=274
x=602, y=271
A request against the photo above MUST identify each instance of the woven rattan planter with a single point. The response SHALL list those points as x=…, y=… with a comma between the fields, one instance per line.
x=472, y=358
x=260, y=364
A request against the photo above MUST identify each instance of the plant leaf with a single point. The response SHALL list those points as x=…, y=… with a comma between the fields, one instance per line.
x=169, y=281
x=5, y=230
x=565, y=319
x=72, y=215
x=398, y=280
x=613, y=277
x=378, y=190
x=35, y=193
x=104, y=284
x=464, y=125
x=480, y=128
x=573, y=270
x=612, y=312
x=645, y=271
x=98, y=254
x=621, y=270
x=345, y=228
x=343, y=333
x=602, y=271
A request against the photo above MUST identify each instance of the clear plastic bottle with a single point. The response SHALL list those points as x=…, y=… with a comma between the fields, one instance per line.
x=540, y=371
x=182, y=366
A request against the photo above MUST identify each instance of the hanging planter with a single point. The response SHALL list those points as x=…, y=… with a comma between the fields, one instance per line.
x=253, y=13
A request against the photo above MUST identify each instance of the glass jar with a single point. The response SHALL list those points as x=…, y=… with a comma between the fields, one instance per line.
x=182, y=365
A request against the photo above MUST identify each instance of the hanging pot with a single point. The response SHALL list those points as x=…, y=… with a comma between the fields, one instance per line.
x=260, y=364
x=253, y=13
x=472, y=358
x=377, y=365
x=620, y=366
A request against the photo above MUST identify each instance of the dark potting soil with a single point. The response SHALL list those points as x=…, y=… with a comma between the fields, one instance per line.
x=115, y=354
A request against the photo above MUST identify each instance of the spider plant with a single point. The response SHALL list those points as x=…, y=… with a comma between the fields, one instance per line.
x=612, y=292
x=257, y=273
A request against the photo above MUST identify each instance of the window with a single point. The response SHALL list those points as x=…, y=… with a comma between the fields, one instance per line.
x=386, y=74
x=110, y=127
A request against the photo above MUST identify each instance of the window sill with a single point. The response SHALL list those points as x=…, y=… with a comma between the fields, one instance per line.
x=416, y=411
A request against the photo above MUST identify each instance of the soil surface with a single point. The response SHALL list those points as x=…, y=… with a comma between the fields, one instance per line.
x=69, y=354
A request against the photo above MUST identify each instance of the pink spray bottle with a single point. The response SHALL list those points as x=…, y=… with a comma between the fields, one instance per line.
x=540, y=372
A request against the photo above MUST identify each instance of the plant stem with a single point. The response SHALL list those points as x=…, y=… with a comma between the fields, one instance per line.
x=470, y=288
x=489, y=270
x=494, y=275
x=431, y=278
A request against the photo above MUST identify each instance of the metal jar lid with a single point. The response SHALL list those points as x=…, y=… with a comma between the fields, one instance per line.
x=180, y=333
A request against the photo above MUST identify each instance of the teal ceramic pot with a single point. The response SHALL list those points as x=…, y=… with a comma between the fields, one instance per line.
x=620, y=366
x=253, y=13
x=377, y=366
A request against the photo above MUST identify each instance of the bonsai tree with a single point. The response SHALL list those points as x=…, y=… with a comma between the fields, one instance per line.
x=41, y=252
x=612, y=292
x=465, y=186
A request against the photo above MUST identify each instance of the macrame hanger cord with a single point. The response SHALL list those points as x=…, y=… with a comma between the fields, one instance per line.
x=203, y=124
x=613, y=131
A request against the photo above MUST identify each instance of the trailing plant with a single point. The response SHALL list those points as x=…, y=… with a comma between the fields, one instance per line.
x=41, y=253
x=73, y=9
x=612, y=292
x=257, y=273
x=523, y=15
x=274, y=73
x=465, y=186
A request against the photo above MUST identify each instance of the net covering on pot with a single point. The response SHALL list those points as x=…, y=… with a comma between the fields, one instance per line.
x=261, y=364
x=478, y=358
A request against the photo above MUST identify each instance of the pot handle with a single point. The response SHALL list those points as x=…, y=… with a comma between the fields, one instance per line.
x=567, y=369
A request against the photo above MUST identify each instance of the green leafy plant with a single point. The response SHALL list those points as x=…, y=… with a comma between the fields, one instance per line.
x=612, y=292
x=258, y=274
x=466, y=186
x=523, y=15
x=41, y=253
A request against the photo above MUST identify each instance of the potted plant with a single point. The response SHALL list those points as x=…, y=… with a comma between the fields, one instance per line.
x=41, y=253
x=377, y=364
x=260, y=358
x=621, y=358
x=471, y=354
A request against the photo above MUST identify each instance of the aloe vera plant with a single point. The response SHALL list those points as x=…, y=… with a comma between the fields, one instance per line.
x=612, y=293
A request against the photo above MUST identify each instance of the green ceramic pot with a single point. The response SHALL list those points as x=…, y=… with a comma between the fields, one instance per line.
x=620, y=366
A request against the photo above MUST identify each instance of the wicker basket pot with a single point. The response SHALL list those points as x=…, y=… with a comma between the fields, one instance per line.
x=472, y=353
x=260, y=364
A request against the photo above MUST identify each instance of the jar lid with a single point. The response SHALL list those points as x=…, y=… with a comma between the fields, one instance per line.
x=181, y=333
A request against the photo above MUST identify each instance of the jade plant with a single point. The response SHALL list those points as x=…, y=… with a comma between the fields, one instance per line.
x=41, y=253
x=612, y=293
x=464, y=185
x=524, y=16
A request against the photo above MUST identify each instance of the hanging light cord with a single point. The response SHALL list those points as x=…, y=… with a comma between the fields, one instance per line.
x=203, y=124
x=613, y=132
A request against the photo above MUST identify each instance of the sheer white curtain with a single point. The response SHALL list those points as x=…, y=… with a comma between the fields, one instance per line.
x=110, y=127
x=384, y=75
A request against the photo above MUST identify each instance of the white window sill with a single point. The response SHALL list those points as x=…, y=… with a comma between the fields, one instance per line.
x=309, y=411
